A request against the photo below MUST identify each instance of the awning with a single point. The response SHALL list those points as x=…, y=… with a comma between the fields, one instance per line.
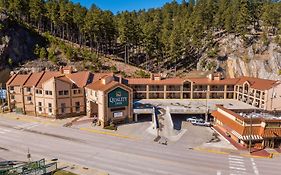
x=246, y=137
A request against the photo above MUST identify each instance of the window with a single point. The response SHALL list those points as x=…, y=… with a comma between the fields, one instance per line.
x=65, y=92
x=12, y=97
x=28, y=99
x=38, y=91
x=77, y=91
x=28, y=89
x=12, y=88
x=50, y=107
x=77, y=106
x=63, y=108
x=60, y=92
x=40, y=106
x=48, y=92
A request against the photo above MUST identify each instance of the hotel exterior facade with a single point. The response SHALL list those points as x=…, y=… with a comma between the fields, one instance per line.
x=66, y=93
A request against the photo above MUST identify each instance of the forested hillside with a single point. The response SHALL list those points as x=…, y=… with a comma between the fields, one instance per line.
x=175, y=36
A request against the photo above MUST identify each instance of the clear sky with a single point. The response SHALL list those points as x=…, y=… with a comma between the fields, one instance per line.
x=122, y=5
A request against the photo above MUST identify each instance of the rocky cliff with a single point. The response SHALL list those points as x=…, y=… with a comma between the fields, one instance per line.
x=257, y=58
x=17, y=42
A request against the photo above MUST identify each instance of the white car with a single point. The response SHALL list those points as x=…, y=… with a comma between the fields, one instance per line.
x=202, y=123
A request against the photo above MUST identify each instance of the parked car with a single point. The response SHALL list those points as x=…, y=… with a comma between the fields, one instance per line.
x=191, y=120
x=202, y=123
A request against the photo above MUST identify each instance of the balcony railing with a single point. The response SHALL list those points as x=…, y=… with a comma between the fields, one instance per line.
x=173, y=88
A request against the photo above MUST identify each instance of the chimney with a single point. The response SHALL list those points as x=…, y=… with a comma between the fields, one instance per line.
x=151, y=76
x=211, y=76
x=106, y=79
x=66, y=70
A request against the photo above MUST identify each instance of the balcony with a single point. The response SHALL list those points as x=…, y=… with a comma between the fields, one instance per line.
x=156, y=88
x=200, y=88
x=217, y=89
x=173, y=88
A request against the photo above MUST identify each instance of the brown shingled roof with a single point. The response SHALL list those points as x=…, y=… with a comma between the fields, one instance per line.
x=206, y=81
x=98, y=85
x=228, y=122
x=258, y=83
x=80, y=78
x=33, y=79
x=47, y=76
x=19, y=79
x=168, y=81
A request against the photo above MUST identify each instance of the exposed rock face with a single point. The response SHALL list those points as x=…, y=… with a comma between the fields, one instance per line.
x=17, y=43
x=255, y=60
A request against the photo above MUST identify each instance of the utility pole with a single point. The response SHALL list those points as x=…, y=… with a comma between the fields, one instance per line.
x=250, y=140
x=206, y=112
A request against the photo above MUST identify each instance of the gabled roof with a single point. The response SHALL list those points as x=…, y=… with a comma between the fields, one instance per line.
x=80, y=78
x=33, y=79
x=47, y=76
x=98, y=85
x=18, y=79
x=258, y=83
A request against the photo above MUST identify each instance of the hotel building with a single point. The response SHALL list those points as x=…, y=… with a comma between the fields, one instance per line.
x=67, y=93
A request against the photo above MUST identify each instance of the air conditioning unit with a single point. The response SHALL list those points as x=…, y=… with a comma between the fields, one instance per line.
x=12, y=91
x=13, y=101
x=29, y=93
x=29, y=102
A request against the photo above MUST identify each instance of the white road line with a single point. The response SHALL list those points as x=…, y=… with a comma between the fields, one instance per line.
x=235, y=159
x=236, y=156
x=237, y=168
x=236, y=162
x=255, y=167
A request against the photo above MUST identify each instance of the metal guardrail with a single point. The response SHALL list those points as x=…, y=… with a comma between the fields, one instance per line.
x=32, y=168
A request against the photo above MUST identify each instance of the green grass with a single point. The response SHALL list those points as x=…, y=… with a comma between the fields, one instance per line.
x=61, y=172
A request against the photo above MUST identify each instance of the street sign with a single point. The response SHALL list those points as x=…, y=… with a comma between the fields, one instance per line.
x=3, y=94
x=118, y=97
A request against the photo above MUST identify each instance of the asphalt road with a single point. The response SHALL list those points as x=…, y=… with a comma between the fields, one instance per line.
x=121, y=156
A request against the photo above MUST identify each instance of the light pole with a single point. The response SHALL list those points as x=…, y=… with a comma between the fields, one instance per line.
x=206, y=112
x=250, y=140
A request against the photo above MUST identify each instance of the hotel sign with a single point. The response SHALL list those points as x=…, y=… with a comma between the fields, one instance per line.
x=118, y=97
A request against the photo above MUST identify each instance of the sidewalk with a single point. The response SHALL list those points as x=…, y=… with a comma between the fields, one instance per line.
x=34, y=119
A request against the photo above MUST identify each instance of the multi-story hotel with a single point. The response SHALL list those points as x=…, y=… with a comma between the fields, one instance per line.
x=66, y=93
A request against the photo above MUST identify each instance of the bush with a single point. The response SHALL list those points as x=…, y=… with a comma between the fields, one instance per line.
x=246, y=59
x=10, y=61
x=142, y=74
x=111, y=127
x=43, y=53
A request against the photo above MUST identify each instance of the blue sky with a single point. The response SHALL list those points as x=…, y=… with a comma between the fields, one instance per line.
x=122, y=5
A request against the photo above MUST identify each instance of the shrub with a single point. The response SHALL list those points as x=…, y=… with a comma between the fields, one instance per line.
x=43, y=53
x=111, y=127
x=142, y=74
x=246, y=59
x=10, y=61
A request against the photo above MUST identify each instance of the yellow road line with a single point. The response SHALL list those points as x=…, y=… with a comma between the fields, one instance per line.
x=210, y=151
x=108, y=133
x=252, y=156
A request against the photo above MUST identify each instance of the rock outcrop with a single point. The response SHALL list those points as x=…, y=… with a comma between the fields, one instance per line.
x=17, y=42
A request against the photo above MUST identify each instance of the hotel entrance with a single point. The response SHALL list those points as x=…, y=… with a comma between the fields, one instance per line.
x=109, y=101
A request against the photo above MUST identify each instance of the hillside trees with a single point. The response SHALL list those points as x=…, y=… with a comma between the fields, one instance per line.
x=172, y=32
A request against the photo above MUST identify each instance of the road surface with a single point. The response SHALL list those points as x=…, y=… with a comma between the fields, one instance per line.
x=121, y=156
